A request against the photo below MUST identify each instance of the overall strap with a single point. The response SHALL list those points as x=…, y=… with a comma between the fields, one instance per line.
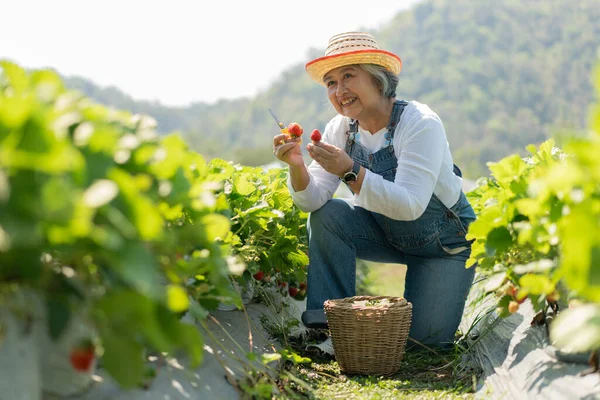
x=352, y=131
x=394, y=119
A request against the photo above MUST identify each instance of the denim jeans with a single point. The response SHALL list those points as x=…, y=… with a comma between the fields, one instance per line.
x=433, y=247
x=437, y=281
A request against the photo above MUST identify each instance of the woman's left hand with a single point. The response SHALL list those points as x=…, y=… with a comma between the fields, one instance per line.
x=333, y=159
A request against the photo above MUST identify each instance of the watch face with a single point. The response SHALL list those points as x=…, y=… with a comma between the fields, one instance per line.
x=349, y=177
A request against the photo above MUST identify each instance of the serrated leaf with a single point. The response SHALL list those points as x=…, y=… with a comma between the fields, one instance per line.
x=242, y=185
x=509, y=168
x=297, y=258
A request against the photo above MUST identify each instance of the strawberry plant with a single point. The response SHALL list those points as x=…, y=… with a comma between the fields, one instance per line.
x=537, y=232
x=268, y=232
x=94, y=208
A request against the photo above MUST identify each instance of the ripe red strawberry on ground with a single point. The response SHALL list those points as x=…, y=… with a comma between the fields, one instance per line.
x=259, y=275
x=82, y=356
x=315, y=136
x=295, y=129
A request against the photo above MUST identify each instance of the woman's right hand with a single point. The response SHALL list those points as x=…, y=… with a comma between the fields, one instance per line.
x=288, y=149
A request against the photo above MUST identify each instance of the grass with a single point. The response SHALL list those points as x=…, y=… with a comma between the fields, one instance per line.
x=423, y=374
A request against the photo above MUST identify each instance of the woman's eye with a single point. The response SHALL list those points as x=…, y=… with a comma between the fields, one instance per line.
x=347, y=75
x=329, y=83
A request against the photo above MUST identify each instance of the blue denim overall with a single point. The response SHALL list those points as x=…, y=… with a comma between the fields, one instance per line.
x=433, y=247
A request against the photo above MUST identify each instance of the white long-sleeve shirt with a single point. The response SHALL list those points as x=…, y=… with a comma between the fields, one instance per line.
x=425, y=166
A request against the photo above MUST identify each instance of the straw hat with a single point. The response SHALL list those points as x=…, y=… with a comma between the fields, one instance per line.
x=352, y=48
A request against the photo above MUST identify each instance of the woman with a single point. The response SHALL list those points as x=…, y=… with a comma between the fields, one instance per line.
x=408, y=205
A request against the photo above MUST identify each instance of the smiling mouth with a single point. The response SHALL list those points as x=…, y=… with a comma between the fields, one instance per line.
x=347, y=102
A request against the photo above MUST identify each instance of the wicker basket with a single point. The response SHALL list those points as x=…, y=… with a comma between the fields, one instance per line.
x=369, y=333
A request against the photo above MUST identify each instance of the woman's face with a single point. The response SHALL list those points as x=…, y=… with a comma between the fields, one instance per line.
x=352, y=91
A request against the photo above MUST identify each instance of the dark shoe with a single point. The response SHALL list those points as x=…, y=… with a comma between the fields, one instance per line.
x=315, y=319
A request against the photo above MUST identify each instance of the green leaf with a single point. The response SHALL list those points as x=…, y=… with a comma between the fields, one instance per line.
x=192, y=342
x=536, y=284
x=499, y=239
x=17, y=77
x=577, y=329
x=242, y=185
x=123, y=358
x=580, y=258
x=133, y=315
x=59, y=315
x=215, y=226
x=270, y=357
x=509, y=168
x=139, y=268
x=297, y=258
x=177, y=298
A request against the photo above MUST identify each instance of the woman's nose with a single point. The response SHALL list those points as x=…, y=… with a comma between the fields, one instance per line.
x=341, y=88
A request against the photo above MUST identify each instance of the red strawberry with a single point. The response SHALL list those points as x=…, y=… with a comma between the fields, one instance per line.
x=82, y=356
x=302, y=286
x=293, y=291
x=295, y=129
x=315, y=135
x=259, y=275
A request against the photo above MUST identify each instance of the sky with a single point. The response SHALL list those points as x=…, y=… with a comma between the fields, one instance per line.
x=177, y=52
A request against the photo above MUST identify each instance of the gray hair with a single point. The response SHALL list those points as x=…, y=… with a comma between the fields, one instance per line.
x=385, y=79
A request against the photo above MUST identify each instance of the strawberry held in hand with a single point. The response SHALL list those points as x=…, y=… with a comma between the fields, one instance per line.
x=82, y=356
x=295, y=129
x=315, y=136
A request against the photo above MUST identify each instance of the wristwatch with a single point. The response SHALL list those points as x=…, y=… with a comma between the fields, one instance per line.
x=352, y=175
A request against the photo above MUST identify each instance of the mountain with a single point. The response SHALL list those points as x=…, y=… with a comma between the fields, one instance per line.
x=500, y=73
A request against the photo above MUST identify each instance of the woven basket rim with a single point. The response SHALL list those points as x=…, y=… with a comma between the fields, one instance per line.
x=349, y=303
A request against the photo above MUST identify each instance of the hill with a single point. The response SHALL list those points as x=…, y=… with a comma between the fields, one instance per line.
x=501, y=74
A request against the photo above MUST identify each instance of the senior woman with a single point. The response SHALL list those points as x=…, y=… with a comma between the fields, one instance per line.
x=408, y=206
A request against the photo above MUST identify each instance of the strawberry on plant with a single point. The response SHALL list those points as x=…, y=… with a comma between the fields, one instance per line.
x=513, y=307
x=519, y=299
x=82, y=356
x=315, y=136
x=295, y=129
x=259, y=275
x=293, y=291
x=301, y=295
x=302, y=286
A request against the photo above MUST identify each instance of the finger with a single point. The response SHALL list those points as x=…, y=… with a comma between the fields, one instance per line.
x=281, y=149
x=279, y=139
x=321, y=153
x=326, y=147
